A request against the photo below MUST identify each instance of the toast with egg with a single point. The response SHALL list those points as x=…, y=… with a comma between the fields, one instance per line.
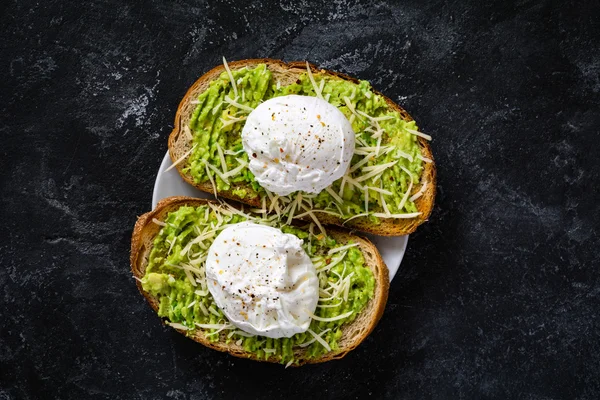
x=148, y=226
x=180, y=146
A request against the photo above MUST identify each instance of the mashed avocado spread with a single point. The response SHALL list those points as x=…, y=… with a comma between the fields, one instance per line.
x=386, y=166
x=175, y=274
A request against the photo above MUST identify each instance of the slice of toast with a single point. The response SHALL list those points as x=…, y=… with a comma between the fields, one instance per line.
x=288, y=73
x=353, y=333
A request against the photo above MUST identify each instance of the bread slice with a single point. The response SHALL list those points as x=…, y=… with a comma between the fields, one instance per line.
x=353, y=333
x=288, y=73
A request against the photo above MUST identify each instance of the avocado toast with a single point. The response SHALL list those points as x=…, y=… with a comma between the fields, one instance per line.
x=389, y=188
x=168, y=252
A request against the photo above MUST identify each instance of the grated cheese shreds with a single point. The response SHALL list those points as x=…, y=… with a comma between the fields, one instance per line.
x=233, y=84
x=178, y=326
x=330, y=305
x=188, y=274
x=157, y=222
x=203, y=308
x=375, y=172
x=400, y=216
x=289, y=363
x=378, y=167
x=188, y=133
x=213, y=311
x=333, y=262
x=306, y=344
x=405, y=155
x=384, y=204
x=233, y=153
x=334, y=194
x=234, y=103
x=405, y=197
x=427, y=160
x=412, y=179
x=212, y=181
x=304, y=214
x=270, y=351
x=342, y=248
x=420, y=192
x=236, y=171
x=191, y=304
x=239, y=342
x=319, y=339
x=219, y=173
x=330, y=319
x=356, y=216
x=420, y=134
x=314, y=217
x=354, y=183
x=341, y=192
x=379, y=190
x=183, y=157
x=221, y=158
x=213, y=326
x=312, y=81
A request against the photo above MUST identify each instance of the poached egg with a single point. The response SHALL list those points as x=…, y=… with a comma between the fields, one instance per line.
x=262, y=280
x=297, y=143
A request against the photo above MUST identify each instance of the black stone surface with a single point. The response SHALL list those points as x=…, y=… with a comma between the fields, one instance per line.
x=498, y=295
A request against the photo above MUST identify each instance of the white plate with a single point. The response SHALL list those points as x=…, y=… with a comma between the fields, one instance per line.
x=171, y=184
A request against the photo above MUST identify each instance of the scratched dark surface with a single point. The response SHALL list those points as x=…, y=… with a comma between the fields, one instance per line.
x=498, y=295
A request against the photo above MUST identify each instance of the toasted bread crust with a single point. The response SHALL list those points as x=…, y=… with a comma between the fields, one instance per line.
x=287, y=73
x=354, y=333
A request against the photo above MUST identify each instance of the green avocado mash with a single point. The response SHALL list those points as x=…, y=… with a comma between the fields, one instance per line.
x=175, y=275
x=383, y=138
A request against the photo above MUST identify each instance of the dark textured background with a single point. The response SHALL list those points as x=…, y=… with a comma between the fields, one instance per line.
x=498, y=295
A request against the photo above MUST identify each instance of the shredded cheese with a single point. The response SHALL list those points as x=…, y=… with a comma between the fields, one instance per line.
x=427, y=160
x=330, y=305
x=306, y=344
x=330, y=319
x=405, y=197
x=157, y=222
x=379, y=190
x=233, y=84
x=213, y=311
x=314, y=217
x=304, y=214
x=183, y=157
x=219, y=173
x=203, y=308
x=188, y=133
x=401, y=216
x=333, y=262
x=376, y=171
x=236, y=170
x=420, y=192
x=408, y=172
x=334, y=195
x=319, y=339
x=178, y=326
x=212, y=181
x=342, y=248
x=234, y=103
x=356, y=216
x=420, y=134
x=312, y=81
x=221, y=157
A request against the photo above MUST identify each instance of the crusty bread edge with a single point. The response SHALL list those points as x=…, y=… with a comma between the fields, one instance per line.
x=386, y=228
x=145, y=230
